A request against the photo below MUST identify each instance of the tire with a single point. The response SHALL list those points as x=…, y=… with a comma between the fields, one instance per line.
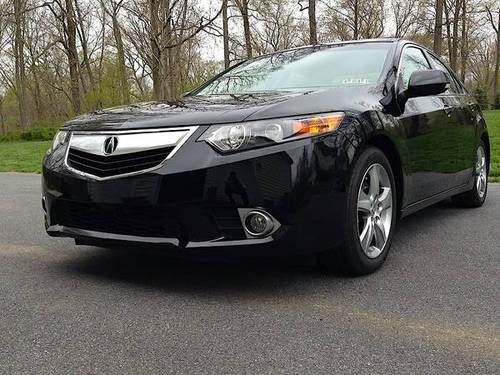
x=477, y=195
x=354, y=256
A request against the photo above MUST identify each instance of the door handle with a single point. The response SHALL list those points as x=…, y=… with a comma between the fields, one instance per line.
x=448, y=110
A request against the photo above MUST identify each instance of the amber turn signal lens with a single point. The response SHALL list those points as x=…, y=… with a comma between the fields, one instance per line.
x=318, y=124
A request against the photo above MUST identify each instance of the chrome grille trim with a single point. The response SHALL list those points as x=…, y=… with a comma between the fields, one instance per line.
x=133, y=142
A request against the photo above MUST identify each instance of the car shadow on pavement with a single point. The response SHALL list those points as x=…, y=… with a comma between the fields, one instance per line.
x=156, y=269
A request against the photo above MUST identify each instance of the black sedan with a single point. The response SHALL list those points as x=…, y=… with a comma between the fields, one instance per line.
x=320, y=149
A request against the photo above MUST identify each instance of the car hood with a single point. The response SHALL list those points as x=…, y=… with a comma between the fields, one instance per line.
x=208, y=110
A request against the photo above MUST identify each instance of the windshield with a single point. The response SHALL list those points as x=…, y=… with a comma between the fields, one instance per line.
x=303, y=69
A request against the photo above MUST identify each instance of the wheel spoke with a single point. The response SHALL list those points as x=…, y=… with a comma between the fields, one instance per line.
x=385, y=198
x=366, y=236
x=483, y=182
x=374, y=181
x=380, y=236
x=364, y=203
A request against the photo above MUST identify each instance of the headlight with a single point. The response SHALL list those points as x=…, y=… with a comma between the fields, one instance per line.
x=60, y=138
x=247, y=135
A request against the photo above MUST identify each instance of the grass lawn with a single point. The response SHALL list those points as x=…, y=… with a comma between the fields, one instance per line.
x=27, y=156
x=493, y=123
x=22, y=156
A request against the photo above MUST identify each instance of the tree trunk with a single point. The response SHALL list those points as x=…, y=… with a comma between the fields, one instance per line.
x=167, y=54
x=225, y=32
x=20, y=68
x=438, y=28
x=246, y=26
x=122, y=68
x=37, y=96
x=448, y=28
x=73, y=56
x=454, y=45
x=3, y=129
x=313, y=34
x=356, y=20
x=464, y=42
x=84, y=43
x=155, y=63
x=497, y=60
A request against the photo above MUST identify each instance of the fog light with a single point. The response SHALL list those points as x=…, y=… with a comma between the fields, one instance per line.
x=258, y=224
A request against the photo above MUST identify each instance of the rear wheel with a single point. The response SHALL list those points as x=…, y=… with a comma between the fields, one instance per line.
x=371, y=217
x=477, y=195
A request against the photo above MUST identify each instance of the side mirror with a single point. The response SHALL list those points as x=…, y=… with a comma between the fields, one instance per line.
x=426, y=83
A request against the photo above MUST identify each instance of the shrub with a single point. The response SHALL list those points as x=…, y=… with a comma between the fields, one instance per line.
x=481, y=97
x=496, y=103
x=33, y=134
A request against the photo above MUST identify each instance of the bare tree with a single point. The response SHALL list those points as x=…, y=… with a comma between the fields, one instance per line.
x=463, y=42
x=277, y=28
x=64, y=13
x=113, y=11
x=158, y=30
x=438, y=28
x=355, y=19
x=313, y=34
x=20, y=66
x=225, y=32
x=405, y=16
x=243, y=6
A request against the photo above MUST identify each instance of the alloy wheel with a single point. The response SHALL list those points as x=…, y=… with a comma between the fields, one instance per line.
x=374, y=210
x=481, y=172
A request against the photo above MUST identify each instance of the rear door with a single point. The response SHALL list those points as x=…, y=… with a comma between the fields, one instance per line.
x=461, y=110
x=427, y=125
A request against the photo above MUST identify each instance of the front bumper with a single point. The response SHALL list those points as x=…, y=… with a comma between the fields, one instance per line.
x=192, y=203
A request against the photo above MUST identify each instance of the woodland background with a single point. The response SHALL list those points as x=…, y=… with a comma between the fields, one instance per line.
x=63, y=57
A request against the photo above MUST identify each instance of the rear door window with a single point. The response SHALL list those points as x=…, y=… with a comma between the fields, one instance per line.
x=455, y=87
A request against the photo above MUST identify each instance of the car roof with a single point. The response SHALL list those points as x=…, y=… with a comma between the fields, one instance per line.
x=355, y=41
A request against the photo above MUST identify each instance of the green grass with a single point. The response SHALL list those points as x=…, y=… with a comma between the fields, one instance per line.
x=493, y=123
x=19, y=155
x=23, y=156
x=37, y=133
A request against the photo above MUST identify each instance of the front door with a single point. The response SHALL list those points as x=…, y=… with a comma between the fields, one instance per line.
x=462, y=111
x=427, y=123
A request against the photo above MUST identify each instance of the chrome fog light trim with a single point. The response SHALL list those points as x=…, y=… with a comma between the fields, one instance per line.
x=44, y=204
x=258, y=223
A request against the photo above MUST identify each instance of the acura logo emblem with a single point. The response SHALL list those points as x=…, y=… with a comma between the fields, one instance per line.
x=110, y=145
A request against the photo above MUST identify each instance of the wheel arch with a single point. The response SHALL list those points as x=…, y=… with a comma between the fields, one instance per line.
x=377, y=129
x=486, y=140
x=388, y=147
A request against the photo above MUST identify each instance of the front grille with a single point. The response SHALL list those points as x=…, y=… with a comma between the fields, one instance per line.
x=107, y=166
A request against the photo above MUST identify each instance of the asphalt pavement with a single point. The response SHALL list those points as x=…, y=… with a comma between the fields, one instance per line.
x=434, y=308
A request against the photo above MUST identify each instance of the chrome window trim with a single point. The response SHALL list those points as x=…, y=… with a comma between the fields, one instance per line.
x=398, y=72
x=190, y=130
